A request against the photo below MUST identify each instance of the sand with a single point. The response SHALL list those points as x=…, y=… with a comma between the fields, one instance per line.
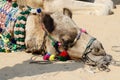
x=15, y=66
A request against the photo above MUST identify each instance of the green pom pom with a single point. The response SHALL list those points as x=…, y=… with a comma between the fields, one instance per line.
x=22, y=18
x=23, y=33
x=25, y=12
x=2, y=50
x=22, y=47
x=19, y=17
x=62, y=58
x=14, y=47
x=16, y=32
x=14, y=4
x=17, y=25
x=22, y=25
x=22, y=12
x=8, y=36
x=22, y=39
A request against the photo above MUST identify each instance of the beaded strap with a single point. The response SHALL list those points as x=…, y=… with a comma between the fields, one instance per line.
x=10, y=16
x=2, y=3
x=4, y=12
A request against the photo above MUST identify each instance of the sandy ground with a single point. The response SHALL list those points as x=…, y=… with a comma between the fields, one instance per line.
x=15, y=66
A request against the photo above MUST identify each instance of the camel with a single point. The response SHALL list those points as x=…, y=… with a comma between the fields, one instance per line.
x=34, y=38
x=33, y=44
x=34, y=34
x=109, y=3
x=89, y=7
x=77, y=42
x=68, y=30
x=34, y=27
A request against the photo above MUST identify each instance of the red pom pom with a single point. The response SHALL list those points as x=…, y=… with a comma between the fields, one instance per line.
x=64, y=54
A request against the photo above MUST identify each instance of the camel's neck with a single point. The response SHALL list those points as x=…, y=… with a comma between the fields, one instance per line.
x=80, y=46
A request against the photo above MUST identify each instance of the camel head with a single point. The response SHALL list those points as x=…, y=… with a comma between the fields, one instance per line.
x=60, y=26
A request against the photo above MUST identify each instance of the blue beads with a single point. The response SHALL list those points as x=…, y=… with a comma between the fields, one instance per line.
x=38, y=10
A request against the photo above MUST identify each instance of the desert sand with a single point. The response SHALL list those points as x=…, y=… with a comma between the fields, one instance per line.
x=15, y=66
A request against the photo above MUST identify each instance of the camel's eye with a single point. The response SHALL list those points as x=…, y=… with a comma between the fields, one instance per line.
x=96, y=49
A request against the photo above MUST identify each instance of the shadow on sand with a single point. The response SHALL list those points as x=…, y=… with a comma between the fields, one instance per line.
x=26, y=69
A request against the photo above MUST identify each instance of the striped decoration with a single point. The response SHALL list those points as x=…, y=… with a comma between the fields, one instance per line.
x=19, y=29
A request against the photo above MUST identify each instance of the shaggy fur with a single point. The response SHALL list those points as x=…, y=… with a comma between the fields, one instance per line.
x=49, y=23
x=34, y=34
x=31, y=3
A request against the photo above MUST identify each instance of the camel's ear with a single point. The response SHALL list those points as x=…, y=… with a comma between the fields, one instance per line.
x=49, y=23
x=67, y=12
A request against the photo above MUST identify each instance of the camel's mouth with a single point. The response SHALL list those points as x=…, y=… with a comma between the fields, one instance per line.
x=102, y=62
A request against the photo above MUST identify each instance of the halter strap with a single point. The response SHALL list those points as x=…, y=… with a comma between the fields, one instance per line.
x=78, y=36
x=87, y=49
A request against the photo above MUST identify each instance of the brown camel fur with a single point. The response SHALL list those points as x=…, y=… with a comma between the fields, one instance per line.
x=34, y=34
x=63, y=29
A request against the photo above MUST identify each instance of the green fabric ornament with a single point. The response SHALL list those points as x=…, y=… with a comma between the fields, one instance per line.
x=14, y=4
x=14, y=47
x=21, y=18
x=8, y=36
x=2, y=50
x=22, y=26
x=22, y=39
x=17, y=25
x=16, y=32
x=23, y=33
x=25, y=12
x=53, y=43
x=23, y=47
x=62, y=58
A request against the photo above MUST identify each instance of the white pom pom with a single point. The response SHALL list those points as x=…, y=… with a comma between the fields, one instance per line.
x=33, y=11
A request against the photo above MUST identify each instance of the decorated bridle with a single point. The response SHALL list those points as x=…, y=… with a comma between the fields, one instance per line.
x=61, y=55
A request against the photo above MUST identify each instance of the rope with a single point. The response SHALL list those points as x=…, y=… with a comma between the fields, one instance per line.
x=50, y=37
x=34, y=60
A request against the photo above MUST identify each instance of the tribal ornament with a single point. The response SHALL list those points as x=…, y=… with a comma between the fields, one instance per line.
x=4, y=10
x=19, y=29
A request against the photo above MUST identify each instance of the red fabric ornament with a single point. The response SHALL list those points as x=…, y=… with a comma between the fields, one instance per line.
x=9, y=0
x=63, y=54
